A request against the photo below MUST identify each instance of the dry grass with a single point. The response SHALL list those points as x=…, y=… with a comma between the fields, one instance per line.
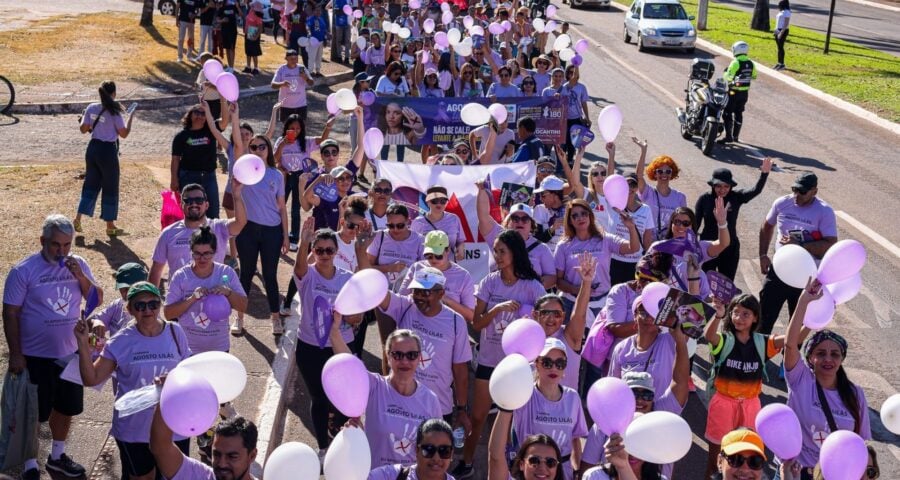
x=90, y=48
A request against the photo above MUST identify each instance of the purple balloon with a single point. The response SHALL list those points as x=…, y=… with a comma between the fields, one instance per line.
x=819, y=313
x=581, y=46
x=188, y=403
x=843, y=456
x=577, y=60
x=496, y=29
x=357, y=14
x=843, y=260
x=615, y=189
x=609, y=122
x=373, y=140
x=611, y=405
x=348, y=10
x=211, y=69
x=367, y=98
x=652, y=296
x=779, y=428
x=525, y=337
x=331, y=104
x=845, y=290
x=346, y=384
x=440, y=38
x=227, y=85
x=216, y=308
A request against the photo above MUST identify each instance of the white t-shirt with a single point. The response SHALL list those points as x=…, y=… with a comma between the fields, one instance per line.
x=346, y=255
x=783, y=20
x=500, y=142
x=643, y=220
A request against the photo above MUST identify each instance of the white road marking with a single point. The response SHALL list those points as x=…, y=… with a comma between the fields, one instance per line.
x=872, y=234
x=854, y=28
x=876, y=5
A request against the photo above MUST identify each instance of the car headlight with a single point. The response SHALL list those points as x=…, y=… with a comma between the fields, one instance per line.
x=691, y=33
x=649, y=31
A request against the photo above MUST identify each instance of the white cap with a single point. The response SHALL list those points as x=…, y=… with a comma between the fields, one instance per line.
x=553, y=343
x=521, y=208
x=550, y=183
x=427, y=278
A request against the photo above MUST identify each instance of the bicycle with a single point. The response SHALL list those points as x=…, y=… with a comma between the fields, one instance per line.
x=7, y=94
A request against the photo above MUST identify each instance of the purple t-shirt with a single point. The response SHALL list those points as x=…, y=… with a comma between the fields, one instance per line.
x=449, y=224
x=574, y=96
x=662, y=206
x=295, y=95
x=295, y=160
x=445, y=342
x=107, y=127
x=540, y=255
x=459, y=286
x=174, y=245
x=194, y=470
x=562, y=420
x=492, y=291
x=50, y=298
x=618, y=310
x=204, y=334
x=317, y=295
x=386, y=250
x=390, y=472
x=139, y=359
x=815, y=220
x=658, y=360
x=115, y=316
x=261, y=199
x=392, y=420
x=804, y=400
x=566, y=259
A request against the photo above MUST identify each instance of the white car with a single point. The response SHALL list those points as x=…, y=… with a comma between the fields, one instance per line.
x=659, y=24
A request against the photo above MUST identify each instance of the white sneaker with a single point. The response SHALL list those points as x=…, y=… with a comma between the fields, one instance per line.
x=237, y=327
x=227, y=411
x=229, y=70
x=285, y=311
x=294, y=247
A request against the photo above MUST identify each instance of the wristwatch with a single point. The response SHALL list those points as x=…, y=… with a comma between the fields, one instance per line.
x=458, y=408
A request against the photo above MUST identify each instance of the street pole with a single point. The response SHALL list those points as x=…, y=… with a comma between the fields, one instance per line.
x=828, y=33
x=701, y=14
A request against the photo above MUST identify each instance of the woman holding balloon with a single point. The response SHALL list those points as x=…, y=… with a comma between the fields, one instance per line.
x=819, y=390
x=682, y=221
x=622, y=466
x=537, y=458
x=125, y=354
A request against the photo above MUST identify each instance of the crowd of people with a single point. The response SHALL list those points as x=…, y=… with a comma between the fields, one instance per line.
x=565, y=258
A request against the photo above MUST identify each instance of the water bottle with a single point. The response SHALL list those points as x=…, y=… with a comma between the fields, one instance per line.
x=225, y=280
x=459, y=437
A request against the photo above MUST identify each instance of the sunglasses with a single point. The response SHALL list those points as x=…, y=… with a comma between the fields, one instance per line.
x=553, y=313
x=663, y=171
x=580, y=215
x=143, y=306
x=424, y=292
x=258, y=147
x=438, y=201
x=434, y=256
x=395, y=226
x=324, y=251
x=329, y=153
x=545, y=170
x=193, y=200
x=535, y=460
x=410, y=356
x=643, y=394
x=681, y=223
x=203, y=255
x=343, y=178
x=383, y=191
x=800, y=191
x=351, y=225
x=559, y=363
x=462, y=151
x=520, y=219
x=597, y=173
x=428, y=450
x=755, y=462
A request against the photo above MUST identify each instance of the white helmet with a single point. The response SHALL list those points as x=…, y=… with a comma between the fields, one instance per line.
x=740, y=48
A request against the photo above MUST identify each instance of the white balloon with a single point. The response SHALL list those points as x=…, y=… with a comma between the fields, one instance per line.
x=454, y=36
x=361, y=42
x=303, y=42
x=292, y=460
x=404, y=33
x=477, y=30
x=538, y=24
x=346, y=100
x=890, y=413
x=512, y=382
x=642, y=438
x=445, y=7
x=349, y=457
x=561, y=42
x=475, y=114
x=428, y=25
x=225, y=372
x=362, y=292
x=463, y=49
x=499, y=112
x=566, y=54
x=395, y=28
x=468, y=22
x=794, y=265
x=387, y=26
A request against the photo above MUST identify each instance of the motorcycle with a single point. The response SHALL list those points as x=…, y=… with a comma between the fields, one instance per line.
x=704, y=105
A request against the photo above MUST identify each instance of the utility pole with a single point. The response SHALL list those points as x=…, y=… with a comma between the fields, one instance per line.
x=828, y=33
x=701, y=14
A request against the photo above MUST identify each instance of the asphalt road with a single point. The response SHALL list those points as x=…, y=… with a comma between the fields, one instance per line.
x=866, y=25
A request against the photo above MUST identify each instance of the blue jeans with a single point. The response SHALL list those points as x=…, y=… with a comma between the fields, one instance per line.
x=101, y=179
x=207, y=180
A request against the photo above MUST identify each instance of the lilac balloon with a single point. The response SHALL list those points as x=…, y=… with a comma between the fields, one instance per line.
x=249, y=169
x=843, y=260
x=611, y=405
x=525, y=337
x=227, y=85
x=652, y=295
x=550, y=11
x=188, y=403
x=331, y=104
x=581, y=46
x=615, y=189
x=506, y=24
x=779, y=428
x=428, y=25
x=610, y=122
x=415, y=4
x=367, y=98
x=445, y=79
x=550, y=26
x=495, y=28
x=843, y=456
x=363, y=292
x=346, y=384
x=357, y=14
x=211, y=69
x=499, y=112
x=819, y=312
x=577, y=60
x=373, y=140
x=845, y=290
x=446, y=17
x=440, y=38
x=348, y=10
x=216, y=307
x=445, y=7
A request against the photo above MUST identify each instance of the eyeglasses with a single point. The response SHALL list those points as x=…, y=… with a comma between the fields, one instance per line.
x=383, y=191
x=519, y=218
x=398, y=355
x=643, y=394
x=438, y=201
x=755, y=462
x=329, y=153
x=143, y=306
x=535, y=460
x=663, y=171
x=258, y=147
x=681, y=223
x=598, y=173
x=203, y=255
x=324, y=251
x=434, y=256
x=559, y=363
x=424, y=292
x=545, y=170
x=553, y=313
x=800, y=191
x=462, y=151
x=351, y=225
x=343, y=178
x=193, y=200
x=395, y=226
x=579, y=215
x=428, y=450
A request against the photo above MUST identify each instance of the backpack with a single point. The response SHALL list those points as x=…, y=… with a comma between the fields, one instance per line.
x=759, y=341
x=599, y=341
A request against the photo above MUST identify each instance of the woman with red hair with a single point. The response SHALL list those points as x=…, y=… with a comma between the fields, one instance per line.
x=662, y=199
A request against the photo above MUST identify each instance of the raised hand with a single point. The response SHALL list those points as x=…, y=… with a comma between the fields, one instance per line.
x=587, y=266
x=642, y=143
x=719, y=212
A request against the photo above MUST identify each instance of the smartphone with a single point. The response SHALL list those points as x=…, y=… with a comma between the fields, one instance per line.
x=796, y=235
x=132, y=108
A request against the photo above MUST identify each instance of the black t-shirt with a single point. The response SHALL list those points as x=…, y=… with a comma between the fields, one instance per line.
x=743, y=364
x=197, y=149
x=206, y=18
x=228, y=14
x=187, y=10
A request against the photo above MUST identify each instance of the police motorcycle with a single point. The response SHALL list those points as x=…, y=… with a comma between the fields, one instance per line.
x=704, y=105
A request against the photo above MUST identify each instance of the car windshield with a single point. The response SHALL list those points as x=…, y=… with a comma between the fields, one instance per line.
x=665, y=11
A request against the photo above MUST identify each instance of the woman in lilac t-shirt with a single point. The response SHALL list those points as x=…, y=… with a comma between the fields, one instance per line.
x=663, y=199
x=678, y=227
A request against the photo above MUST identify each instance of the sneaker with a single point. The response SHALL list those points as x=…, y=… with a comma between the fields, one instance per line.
x=31, y=474
x=255, y=71
x=229, y=70
x=463, y=471
x=246, y=70
x=277, y=327
x=65, y=466
x=293, y=247
x=237, y=327
x=284, y=311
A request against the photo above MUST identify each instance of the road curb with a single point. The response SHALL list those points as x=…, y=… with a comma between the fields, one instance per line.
x=882, y=6
x=836, y=102
x=155, y=103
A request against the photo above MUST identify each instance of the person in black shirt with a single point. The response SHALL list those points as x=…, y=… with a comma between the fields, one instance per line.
x=194, y=156
x=185, y=14
x=228, y=17
x=705, y=222
x=207, y=15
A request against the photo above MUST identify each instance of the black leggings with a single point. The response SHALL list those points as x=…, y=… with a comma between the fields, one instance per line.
x=772, y=297
x=292, y=189
x=101, y=179
x=311, y=360
x=727, y=261
x=779, y=41
x=260, y=241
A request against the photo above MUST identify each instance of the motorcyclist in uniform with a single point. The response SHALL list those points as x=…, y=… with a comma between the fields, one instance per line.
x=738, y=76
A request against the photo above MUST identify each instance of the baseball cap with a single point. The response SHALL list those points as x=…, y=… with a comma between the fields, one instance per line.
x=338, y=171
x=550, y=183
x=557, y=69
x=503, y=45
x=806, y=181
x=639, y=380
x=553, y=343
x=142, y=287
x=129, y=274
x=329, y=143
x=631, y=178
x=427, y=278
x=521, y=208
x=436, y=242
x=742, y=440
x=363, y=77
x=430, y=71
x=290, y=53
x=546, y=159
x=435, y=192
